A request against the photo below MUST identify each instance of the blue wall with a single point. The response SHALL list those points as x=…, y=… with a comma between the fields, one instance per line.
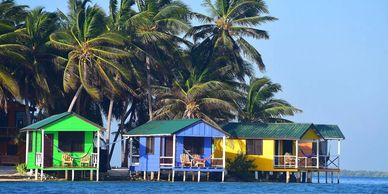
x=201, y=129
x=149, y=162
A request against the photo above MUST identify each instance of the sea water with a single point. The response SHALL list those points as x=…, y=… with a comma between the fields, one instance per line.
x=347, y=185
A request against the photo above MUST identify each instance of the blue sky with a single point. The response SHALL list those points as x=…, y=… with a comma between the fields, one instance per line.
x=331, y=58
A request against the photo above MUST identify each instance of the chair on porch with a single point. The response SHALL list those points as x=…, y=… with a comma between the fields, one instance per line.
x=67, y=159
x=288, y=160
x=185, y=160
x=198, y=161
x=85, y=160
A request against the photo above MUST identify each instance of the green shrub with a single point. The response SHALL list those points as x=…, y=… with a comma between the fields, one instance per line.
x=21, y=168
x=239, y=167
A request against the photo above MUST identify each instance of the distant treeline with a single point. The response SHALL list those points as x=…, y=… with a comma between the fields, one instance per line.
x=365, y=173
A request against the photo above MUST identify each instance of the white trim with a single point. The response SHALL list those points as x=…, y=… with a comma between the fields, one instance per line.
x=297, y=153
x=42, y=148
x=173, y=150
x=339, y=147
x=27, y=145
x=130, y=151
x=318, y=153
x=98, y=156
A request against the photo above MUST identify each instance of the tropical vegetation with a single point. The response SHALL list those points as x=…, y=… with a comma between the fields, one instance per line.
x=139, y=60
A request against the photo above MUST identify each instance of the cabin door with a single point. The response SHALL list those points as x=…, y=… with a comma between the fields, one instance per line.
x=48, y=150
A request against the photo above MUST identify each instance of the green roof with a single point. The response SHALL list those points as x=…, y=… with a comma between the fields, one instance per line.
x=330, y=131
x=162, y=127
x=46, y=121
x=267, y=130
x=52, y=119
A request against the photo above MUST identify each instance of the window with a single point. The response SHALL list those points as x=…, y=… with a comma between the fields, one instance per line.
x=254, y=147
x=19, y=119
x=150, y=145
x=71, y=141
x=194, y=145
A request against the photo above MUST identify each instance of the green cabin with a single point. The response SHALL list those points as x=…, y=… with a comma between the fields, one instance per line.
x=63, y=142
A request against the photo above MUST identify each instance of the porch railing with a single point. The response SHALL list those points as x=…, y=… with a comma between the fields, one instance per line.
x=166, y=161
x=39, y=159
x=94, y=160
x=134, y=160
x=217, y=162
x=290, y=161
x=329, y=161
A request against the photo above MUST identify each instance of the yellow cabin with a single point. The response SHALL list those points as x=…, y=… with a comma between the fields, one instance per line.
x=284, y=147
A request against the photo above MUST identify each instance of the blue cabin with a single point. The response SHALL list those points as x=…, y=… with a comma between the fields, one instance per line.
x=185, y=145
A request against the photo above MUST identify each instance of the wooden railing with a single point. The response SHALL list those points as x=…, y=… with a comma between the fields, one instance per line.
x=39, y=159
x=290, y=161
x=166, y=161
x=94, y=160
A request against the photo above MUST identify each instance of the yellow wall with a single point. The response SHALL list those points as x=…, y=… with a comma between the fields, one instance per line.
x=310, y=134
x=237, y=146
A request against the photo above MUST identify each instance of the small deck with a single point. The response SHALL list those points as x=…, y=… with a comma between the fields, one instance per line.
x=60, y=168
x=195, y=169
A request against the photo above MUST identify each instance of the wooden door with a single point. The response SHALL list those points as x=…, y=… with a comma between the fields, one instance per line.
x=48, y=150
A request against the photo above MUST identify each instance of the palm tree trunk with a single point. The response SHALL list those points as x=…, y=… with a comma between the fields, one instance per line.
x=27, y=106
x=119, y=131
x=75, y=98
x=109, y=123
x=149, y=95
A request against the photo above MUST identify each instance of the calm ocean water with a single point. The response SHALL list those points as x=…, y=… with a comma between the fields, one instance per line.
x=348, y=185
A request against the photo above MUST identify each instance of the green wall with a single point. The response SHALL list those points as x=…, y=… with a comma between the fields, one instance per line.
x=71, y=123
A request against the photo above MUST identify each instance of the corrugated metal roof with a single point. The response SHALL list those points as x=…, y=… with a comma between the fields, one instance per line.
x=268, y=130
x=330, y=131
x=40, y=124
x=46, y=121
x=158, y=127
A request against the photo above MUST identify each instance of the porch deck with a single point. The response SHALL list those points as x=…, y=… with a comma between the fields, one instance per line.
x=195, y=169
x=60, y=168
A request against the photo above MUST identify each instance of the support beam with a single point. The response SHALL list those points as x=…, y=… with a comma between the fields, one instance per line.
x=207, y=176
x=41, y=174
x=199, y=176
x=36, y=174
x=91, y=175
x=318, y=153
x=223, y=176
x=296, y=154
x=42, y=149
x=331, y=177
x=159, y=175
x=145, y=175
x=66, y=174
x=338, y=177
x=152, y=176
x=326, y=177
x=72, y=175
x=256, y=175
x=173, y=151
x=318, y=176
x=287, y=176
x=98, y=157
x=130, y=151
x=173, y=175
x=184, y=176
x=27, y=146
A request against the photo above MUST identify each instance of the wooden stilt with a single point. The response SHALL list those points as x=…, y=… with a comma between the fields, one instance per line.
x=318, y=176
x=338, y=177
x=256, y=175
x=266, y=176
x=145, y=175
x=326, y=177
x=309, y=177
x=223, y=176
x=287, y=177
x=184, y=176
x=72, y=175
x=91, y=175
x=199, y=176
x=207, y=176
x=192, y=176
x=332, y=178
x=36, y=174
x=152, y=176
x=169, y=175
x=159, y=175
x=41, y=174
x=173, y=175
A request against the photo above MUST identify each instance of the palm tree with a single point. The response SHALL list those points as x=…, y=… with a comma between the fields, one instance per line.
x=225, y=31
x=10, y=52
x=212, y=101
x=93, y=58
x=260, y=104
x=11, y=12
x=155, y=35
x=41, y=64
